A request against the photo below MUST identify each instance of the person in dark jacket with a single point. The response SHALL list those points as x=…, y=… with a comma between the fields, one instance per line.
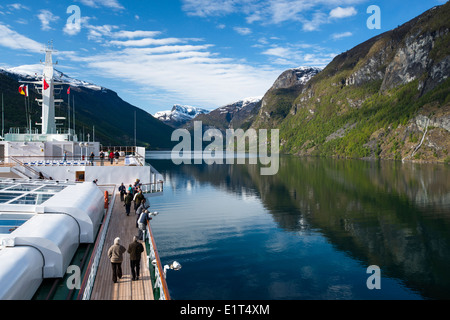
x=122, y=191
x=135, y=250
x=127, y=202
x=138, y=200
x=140, y=209
x=115, y=254
x=91, y=158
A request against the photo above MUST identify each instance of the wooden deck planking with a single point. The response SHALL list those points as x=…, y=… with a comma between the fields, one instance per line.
x=124, y=227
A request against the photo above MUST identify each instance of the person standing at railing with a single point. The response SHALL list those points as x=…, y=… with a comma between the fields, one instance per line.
x=142, y=223
x=111, y=157
x=115, y=254
x=138, y=200
x=91, y=158
x=102, y=157
x=143, y=206
x=116, y=156
x=135, y=250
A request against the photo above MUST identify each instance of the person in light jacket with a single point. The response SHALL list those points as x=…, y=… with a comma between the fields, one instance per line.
x=115, y=254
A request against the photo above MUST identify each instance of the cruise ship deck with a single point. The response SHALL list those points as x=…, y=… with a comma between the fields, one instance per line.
x=124, y=227
x=89, y=255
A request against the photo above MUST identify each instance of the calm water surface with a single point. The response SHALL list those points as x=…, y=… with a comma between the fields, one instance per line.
x=309, y=232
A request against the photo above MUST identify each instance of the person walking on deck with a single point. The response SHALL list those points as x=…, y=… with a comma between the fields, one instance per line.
x=135, y=250
x=122, y=191
x=115, y=254
x=127, y=202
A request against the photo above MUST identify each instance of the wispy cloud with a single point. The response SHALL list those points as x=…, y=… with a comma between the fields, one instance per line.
x=135, y=34
x=299, y=55
x=242, y=31
x=46, y=17
x=337, y=36
x=17, y=6
x=311, y=13
x=191, y=72
x=14, y=40
x=114, y=4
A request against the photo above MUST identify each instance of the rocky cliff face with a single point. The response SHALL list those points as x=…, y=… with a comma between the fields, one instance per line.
x=277, y=102
x=372, y=101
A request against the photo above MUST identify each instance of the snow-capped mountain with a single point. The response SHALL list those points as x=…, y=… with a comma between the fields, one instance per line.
x=238, y=105
x=239, y=114
x=179, y=115
x=34, y=71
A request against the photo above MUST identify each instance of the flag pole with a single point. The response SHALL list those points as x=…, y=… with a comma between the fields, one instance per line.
x=68, y=112
x=73, y=108
x=3, y=118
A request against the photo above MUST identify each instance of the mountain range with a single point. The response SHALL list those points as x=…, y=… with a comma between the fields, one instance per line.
x=386, y=98
x=98, y=111
x=179, y=115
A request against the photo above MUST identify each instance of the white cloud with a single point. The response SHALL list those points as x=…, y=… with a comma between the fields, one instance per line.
x=337, y=36
x=318, y=19
x=273, y=12
x=294, y=55
x=17, y=6
x=147, y=42
x=113, y=4
x=205, y=8
x=242, y=31
x=13, y=40
x=46, y=17
x=175, y=67
x=135, y=34
x=343, y=12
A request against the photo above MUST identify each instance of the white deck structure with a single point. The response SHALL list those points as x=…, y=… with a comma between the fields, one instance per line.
x=45, y=223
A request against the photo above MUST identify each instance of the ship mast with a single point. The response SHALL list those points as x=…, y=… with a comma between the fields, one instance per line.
x=47, y=89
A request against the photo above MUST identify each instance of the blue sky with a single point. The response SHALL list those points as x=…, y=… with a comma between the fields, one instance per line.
x=204, y=53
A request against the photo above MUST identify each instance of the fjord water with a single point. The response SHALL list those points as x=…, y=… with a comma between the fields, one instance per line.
x=309, y=232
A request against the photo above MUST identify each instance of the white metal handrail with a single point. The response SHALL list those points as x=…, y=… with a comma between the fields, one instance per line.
x=95, y=263
x=160, y=281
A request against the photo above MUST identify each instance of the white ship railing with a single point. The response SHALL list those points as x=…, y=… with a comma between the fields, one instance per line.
x=153, y=260
x=88, y=283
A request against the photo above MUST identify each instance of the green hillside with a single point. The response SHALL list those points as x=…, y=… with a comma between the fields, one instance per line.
x=375, y=100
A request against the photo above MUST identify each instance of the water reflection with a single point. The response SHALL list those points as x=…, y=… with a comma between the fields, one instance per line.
x=393, y=215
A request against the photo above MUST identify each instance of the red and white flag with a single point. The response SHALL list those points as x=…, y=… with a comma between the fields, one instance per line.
x=68, y=90
x=45, y=85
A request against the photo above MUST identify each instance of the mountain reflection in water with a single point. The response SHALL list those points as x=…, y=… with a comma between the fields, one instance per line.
x=314, y=228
